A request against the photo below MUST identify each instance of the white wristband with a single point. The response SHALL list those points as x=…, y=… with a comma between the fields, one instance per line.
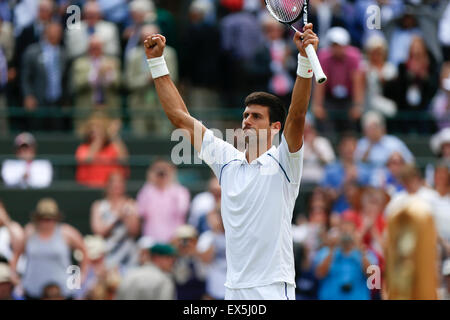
x=304, y=68
x=158, y=67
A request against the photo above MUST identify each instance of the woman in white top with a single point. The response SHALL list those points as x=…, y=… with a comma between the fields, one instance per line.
x=26, y=171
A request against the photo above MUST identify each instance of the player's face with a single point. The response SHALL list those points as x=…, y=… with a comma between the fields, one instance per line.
x=256, y=122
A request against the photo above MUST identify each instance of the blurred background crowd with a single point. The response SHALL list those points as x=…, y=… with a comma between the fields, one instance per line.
x=86, y=175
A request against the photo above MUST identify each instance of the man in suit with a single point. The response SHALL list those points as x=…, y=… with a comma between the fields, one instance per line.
x=30, y=34
x=77, y=39
x=95, y=81
x=43, y=76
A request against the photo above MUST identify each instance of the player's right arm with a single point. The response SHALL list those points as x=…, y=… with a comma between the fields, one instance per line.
x=170, y=98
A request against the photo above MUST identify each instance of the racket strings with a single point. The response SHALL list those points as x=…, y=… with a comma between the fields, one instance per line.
x=285, y=10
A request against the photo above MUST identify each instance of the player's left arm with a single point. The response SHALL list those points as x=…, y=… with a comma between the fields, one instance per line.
x=295, y=121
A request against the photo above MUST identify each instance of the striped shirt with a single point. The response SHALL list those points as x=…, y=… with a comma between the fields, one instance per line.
x=121, y=249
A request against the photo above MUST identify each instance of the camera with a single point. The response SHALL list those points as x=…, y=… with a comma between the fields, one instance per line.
x=346, y=287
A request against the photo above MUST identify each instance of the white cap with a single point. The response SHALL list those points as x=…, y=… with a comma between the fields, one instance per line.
x=338, y=35
x=5, y=273
x=439, y=139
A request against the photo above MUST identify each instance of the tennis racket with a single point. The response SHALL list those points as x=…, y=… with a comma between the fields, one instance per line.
x=289, y=12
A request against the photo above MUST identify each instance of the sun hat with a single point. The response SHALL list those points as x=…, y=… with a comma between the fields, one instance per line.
x=338, y=35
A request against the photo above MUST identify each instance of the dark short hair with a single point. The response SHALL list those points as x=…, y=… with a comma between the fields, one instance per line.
x=277, y=111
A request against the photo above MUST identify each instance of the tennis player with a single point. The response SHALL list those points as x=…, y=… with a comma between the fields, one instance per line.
x=260, y=185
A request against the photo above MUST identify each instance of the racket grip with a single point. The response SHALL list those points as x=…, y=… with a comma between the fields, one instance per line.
x=315, y=64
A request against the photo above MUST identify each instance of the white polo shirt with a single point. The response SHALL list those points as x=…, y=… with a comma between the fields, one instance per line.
x=257, y=204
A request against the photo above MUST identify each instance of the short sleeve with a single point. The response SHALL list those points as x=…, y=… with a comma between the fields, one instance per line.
x=292, y=163
x=216, y=153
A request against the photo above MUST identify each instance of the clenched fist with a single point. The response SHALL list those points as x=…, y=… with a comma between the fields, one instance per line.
x=154, y=46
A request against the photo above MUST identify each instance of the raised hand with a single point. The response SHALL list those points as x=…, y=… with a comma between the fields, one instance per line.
x=305, y=38
x=154, y=46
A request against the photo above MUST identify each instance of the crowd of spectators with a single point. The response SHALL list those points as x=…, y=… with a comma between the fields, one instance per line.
x=165, y=245
x=138, y=249
x=57, y=69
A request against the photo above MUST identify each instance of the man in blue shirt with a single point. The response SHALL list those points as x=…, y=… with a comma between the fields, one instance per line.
x=376, y=146
x=341, y=267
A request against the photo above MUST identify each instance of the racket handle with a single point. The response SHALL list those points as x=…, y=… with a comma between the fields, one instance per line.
x=315, y=64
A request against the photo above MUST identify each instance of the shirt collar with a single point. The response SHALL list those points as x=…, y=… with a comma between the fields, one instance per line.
x=262, y=159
